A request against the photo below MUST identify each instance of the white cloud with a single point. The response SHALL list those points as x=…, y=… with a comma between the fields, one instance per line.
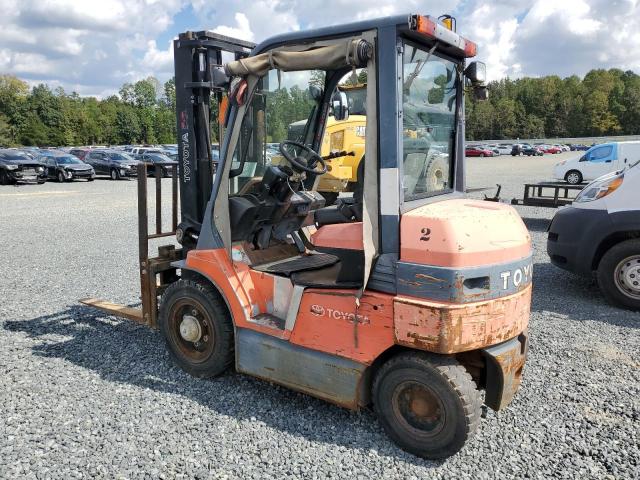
x=94, y=47
x=241, y=30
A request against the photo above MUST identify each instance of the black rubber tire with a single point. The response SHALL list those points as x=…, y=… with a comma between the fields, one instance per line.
x=4, y=178
x=449, y=382
x=61, y=178
x=222, y=354
x=578, y=178
x=481, y=155
x=114, y=174
x=606, y=273
x=90, y=179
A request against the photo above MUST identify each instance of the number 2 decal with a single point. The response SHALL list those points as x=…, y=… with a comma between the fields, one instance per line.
x=426, y=234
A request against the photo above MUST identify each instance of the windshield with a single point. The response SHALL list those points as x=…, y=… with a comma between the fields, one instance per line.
x=357, y=98
x=281, y=109
x=67, y=160
x=120, y=157
x=429, y=97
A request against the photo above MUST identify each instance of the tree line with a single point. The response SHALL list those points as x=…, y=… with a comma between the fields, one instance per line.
x=142, y=112
x=605, y=102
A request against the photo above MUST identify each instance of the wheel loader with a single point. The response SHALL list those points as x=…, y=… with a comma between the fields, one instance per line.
x=405, y=297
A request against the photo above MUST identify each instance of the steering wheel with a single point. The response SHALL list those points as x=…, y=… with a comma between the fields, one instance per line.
x=307, y=165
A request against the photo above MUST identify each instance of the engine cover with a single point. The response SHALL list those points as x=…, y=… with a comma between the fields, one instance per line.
x=463, y=233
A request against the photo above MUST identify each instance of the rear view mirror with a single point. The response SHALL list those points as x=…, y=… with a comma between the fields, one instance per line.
x=340, y=106
x=481, y=93
x=476, y=72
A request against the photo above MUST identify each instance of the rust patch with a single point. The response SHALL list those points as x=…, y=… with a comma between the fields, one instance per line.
x=451, y=328
x=424, y=276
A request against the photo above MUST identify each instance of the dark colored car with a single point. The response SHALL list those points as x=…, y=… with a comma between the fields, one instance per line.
x=80, y=152
x=114, y=163
x=65, y=167
x=532, y=151
x=158, y=160
x=478, y=152
x=16, y=167
x=579, y=147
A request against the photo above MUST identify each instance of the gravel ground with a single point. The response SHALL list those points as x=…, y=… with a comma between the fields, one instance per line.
x=86, y=395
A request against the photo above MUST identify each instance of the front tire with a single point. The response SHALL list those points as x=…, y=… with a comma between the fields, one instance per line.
x=115, y=174
x=619, y=275
x=573, y=177
x=61, y=178
x=428, y=404
x=197, y=328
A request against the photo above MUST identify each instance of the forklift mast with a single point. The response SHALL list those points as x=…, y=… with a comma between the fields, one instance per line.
x=199, y=76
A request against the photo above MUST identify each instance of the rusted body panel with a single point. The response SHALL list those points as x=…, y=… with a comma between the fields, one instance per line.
x=451, y=328
x=504, y=365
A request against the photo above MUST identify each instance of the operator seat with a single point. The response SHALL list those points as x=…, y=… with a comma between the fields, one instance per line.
x=345, y=210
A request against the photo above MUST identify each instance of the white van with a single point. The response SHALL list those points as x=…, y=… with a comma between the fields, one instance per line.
x=597, y=161
x=600, y=232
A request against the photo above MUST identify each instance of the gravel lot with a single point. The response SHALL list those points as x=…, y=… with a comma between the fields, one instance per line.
x=85, y=395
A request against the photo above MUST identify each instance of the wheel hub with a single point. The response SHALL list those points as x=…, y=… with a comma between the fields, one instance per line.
x=190, y=329
x=419, y=408
x=628, y=276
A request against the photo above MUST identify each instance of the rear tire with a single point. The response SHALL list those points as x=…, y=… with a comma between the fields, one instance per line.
x=427, y=404
x=573, y=177
x=197, y=328
x=115, y=174
x=619, y=275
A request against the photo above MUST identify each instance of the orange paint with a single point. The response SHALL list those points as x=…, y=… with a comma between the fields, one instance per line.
x=450, y=328
x=341, y=235
x=329, y=321
x=463, y=233
x=217, y=266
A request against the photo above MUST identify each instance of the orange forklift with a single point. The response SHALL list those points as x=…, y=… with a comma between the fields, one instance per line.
x=405, y=296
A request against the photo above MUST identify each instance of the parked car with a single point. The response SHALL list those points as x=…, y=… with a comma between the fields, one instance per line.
x=531, y=150
x=113, y=163
x=493, y=148
x=598, y=161
x=579, y=147
x=564, y=148
x=140, y=150
x=551, y=149
x=65, y=167
x=79, y=152
x=503, y=148
x=600, y=233
x=17, y=167
x=158, y=160
x=476, y=151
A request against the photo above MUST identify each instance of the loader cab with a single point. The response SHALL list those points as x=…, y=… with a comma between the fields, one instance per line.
x=413, y=155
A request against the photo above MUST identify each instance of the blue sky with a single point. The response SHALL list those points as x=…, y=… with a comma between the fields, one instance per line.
x=93, y=47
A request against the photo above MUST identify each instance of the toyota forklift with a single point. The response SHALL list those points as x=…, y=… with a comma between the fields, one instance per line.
x=406, y=296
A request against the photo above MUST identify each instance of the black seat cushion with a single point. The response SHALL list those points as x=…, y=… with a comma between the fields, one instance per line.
x=301, y=263
x=322, y=278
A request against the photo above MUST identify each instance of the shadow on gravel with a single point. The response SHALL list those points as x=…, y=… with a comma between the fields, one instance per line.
x=536, y=224
x=579, y=298
x=124, y=352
